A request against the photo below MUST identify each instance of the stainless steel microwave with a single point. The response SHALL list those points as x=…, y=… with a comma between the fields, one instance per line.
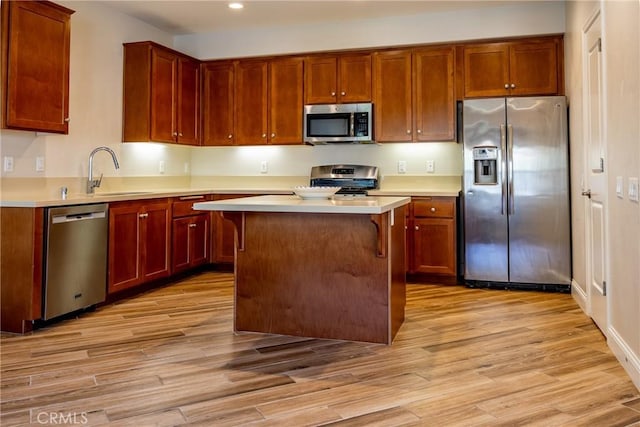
x=338, y=123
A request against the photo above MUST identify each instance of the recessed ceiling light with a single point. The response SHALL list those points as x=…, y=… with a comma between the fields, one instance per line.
x=236, y=5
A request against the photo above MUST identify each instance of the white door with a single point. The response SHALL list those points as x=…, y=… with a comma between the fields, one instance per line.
x=595, y=183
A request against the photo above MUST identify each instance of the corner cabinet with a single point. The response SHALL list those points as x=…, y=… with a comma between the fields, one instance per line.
x=253, y=102
x=431, y=236
x=35, y=66
x=139, y=242
x=518, y=68
x=161, y=99
x=331, y=79
x=414, y=95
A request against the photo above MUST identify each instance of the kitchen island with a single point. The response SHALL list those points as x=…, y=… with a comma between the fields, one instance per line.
x=321, y=268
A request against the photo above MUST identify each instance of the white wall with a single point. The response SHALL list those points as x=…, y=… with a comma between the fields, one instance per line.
x=621, y=53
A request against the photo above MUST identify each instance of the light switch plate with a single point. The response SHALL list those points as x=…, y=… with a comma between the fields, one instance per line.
x=633, y=188
x=8, y=164
x=402, y=166
x=161, y=166
x=40, y=164
x=264, y=166
x=431, y=166
x=619, y=189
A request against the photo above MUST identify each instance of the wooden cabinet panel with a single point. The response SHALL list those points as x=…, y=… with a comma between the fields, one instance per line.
x=224, y=233
x=163, y=103
x=161, y=99
x=218, y=103
x=199, y=239
x=35, y=66
x=286, y=101
x=337, y=79
x=180, y=244
x=392, y=95
x=431, y=236
x=434, y=94
x=523, y=67
x=139, y=242
x=190, y=242
x=251, y=102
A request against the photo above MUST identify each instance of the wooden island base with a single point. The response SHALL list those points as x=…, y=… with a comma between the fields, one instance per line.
x=337, y=276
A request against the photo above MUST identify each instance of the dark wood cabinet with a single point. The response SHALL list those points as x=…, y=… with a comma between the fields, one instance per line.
x=518, y=68
x=191, y=234
x=335, y=79
x=161, y=95
x=224, y=233
x=414, y=95
x=431, y=236
x=253, y=102
x=35, y=66
x=139, y=242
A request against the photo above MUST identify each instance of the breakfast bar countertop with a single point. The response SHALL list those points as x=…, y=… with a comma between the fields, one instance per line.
x=292, y=203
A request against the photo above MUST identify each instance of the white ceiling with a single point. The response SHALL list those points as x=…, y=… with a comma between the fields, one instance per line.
x=204, y=16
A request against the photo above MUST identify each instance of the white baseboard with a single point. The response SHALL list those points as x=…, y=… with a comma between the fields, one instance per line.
x=625, y=355
x=579, y=295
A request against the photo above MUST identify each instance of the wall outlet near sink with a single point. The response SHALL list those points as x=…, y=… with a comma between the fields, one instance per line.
x=431, y=166
x=402, y=166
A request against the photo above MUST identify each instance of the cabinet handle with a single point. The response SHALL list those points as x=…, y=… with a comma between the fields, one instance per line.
x=191, y=197
x=264, y=135
x=273, y=135
x=175, y=134
x=143, y=215
x=333, y=94
x=513, y=85
x=180, y=134
x=506, y=85
x=433, y=209
x=343, y=93
x=67, y=119
x=417, y=228
x=193, y=225
x=230, y=136
x=419, y=130
x=408, y=131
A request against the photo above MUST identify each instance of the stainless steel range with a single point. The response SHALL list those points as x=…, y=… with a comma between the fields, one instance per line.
x=355, y=180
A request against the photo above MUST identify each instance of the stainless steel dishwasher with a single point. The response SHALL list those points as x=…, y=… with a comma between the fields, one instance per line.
x=75, y=268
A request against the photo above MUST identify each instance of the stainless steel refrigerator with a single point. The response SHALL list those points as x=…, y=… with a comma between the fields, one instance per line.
x=516, y=193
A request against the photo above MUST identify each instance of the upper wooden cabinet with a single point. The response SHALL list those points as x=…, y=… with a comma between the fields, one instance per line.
x=35, y=66
x=253, y=102
x=337, y=79
x=161, y=95
x=527, y=67
x=414, y=95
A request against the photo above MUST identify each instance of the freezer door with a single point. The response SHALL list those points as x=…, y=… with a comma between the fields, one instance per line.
x=485, y=216
x=539, y=223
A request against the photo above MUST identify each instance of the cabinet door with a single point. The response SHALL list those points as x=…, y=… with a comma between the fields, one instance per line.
x=163, y=89
x=224, y=234
x=251, y=102
x=218, y=103
x=124, y=248
x=434, y=246
x=534, y=68
x=199, y=240
x=286, y=101
x=188, y=101
x=37, y=64
x=321, y=80
x=354, y=78
x=392, y=96
x=486, y=70
x=434, y=108
x=155, y=240
x=180, y=244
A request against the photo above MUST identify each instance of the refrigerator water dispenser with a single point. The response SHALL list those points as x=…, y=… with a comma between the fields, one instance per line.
x=484, y=165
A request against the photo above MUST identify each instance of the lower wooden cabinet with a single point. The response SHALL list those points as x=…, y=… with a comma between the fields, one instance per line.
x=139, y=242
x=224, y=233
x=431, y=236
x=191, y=235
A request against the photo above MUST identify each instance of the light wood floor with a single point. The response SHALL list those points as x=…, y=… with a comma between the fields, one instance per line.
x=464, y=357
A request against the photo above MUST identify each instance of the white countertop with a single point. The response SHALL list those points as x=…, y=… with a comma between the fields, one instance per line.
x=346, y=205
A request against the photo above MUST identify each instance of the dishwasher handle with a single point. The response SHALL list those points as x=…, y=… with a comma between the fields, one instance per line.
x=58, y=219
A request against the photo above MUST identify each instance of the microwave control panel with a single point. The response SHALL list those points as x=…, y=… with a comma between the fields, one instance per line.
x=361, y=124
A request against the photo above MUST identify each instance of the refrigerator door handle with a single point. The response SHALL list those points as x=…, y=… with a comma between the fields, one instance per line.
x=503, y=168
x=512, y=205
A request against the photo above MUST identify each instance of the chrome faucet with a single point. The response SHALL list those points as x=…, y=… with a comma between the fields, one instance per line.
x=92, y=184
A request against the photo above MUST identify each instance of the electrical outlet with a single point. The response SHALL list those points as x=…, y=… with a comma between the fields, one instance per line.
x=161, y=166
x=431, y=166
x=633, y=189
x=264, y=166
x=40, y=164
x=186, y=167
x=402, y=166
x=8, y=164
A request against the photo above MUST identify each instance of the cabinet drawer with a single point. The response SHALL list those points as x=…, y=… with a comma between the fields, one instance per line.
x=183, y=206
x=437, y=207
